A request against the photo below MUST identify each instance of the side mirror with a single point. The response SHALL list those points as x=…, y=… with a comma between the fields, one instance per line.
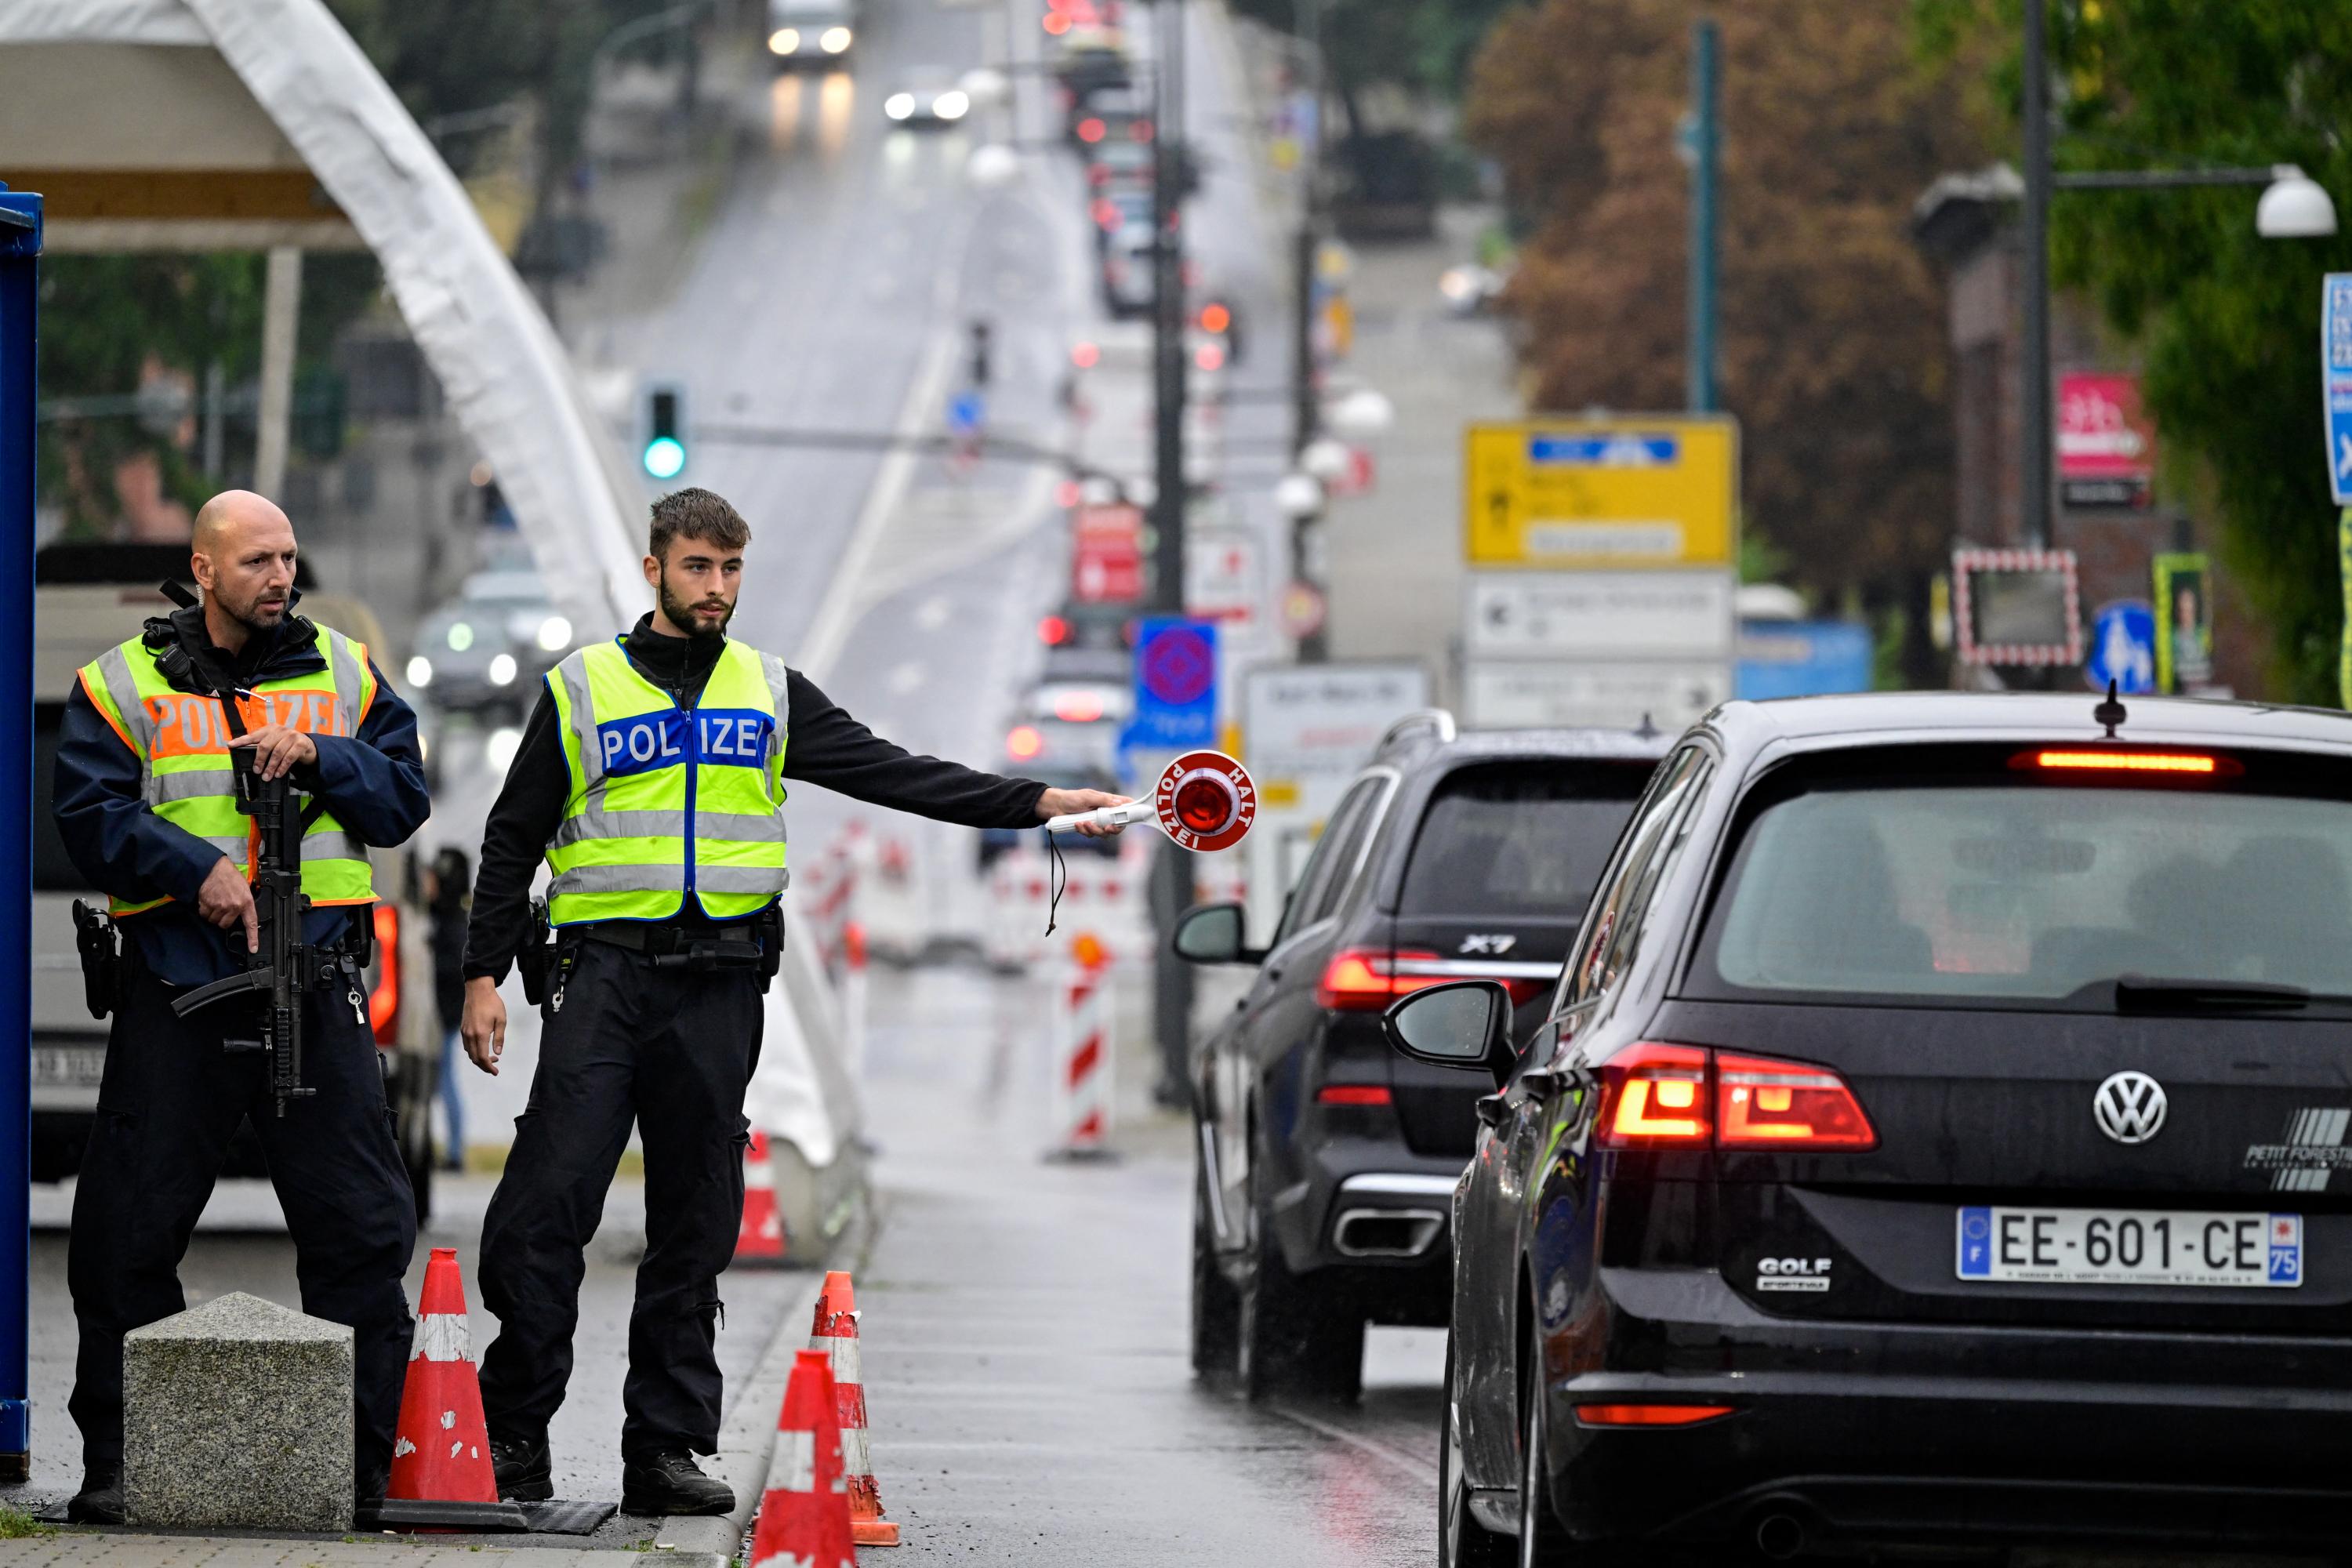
x=1466, y=1024
x=1213, y=934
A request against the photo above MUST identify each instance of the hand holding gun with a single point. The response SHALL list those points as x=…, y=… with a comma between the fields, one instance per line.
x=282, y=969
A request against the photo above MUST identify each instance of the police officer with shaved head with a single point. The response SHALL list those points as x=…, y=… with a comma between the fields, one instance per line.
x=651, y=779
x=147, y=806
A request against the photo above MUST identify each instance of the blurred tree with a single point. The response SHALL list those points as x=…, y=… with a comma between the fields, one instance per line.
x=2227, y=321
x=1834, y=335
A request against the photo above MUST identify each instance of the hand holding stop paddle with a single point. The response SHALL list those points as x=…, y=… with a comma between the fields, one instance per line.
x=1204, y=801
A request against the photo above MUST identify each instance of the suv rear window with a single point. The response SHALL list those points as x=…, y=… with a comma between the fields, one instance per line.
x=1520, y=838
x=2008, y=882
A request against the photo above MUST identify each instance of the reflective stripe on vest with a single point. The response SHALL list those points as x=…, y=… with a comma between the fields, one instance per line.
x=181, y=738
x=668, y=803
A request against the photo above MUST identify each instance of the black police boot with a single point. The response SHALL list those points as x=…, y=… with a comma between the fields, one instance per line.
x=671, y=1483
x=521, y=1467
x=99, y=1501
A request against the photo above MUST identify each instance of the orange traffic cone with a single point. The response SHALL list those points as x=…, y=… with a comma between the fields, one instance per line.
x=761, y=1237
x=442, y=1453
x=835, y=1334
x=803, y=1517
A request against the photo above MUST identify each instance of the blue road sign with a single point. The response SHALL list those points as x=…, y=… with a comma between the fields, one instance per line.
x=967, y=412
x=1802, y=658
x=1175, y=685
x=2123, y=647
x=2336, y=368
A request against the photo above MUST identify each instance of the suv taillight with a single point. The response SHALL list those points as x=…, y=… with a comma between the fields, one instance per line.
x=1661, y=1097
x=1365, y=980
x=383, y=997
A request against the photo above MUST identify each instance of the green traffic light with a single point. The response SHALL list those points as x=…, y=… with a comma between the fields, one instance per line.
x=664, y=456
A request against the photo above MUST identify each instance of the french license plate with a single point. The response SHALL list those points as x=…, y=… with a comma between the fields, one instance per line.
x=69, y=1066
x=2129, y=1246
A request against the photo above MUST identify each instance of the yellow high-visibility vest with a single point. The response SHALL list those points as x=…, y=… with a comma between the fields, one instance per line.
x=668, y=803
x=181, y=739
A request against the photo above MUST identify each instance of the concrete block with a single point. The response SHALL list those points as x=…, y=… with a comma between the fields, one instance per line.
x=237, y=1414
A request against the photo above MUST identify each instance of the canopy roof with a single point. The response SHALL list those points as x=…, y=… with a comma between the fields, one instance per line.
x=235, y=124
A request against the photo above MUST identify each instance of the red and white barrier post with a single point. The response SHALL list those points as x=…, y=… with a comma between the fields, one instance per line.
x=1082, y=1052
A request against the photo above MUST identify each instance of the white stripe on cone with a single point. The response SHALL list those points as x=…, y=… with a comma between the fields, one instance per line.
x=441, y=1336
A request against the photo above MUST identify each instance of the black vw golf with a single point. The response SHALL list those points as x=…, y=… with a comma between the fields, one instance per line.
x=1933, y=1140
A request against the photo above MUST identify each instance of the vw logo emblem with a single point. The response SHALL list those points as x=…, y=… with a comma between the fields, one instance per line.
x=2129, y=1106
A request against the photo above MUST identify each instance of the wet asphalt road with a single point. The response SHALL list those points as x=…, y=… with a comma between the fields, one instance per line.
x=1024, y=1331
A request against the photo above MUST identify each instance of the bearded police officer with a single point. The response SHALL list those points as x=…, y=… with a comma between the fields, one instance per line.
x=651, y=778
x=147, y=807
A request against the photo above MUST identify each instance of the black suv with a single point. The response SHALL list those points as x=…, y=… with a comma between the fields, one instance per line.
x=1327, y=1162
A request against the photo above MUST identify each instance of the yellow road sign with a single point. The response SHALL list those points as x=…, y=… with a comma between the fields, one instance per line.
x=1598, y=494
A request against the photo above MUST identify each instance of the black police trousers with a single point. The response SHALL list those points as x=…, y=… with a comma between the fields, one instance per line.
x=167, y=1108
x=671, y=1050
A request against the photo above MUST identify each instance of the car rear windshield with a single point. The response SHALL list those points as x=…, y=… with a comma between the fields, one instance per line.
x=1520, y=838
x=2010, y=880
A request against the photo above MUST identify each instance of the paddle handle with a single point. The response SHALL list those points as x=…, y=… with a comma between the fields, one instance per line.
x=1134, y=811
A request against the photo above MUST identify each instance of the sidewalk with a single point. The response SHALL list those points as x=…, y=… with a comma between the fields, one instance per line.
x=80, y=1549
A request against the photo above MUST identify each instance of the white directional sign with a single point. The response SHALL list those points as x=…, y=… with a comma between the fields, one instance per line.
x=1608, y=615
x=1306, y=731
x=1615, y=694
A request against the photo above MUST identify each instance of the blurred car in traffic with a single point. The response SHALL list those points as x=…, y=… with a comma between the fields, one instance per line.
x=812, y=33
x=1931, y=1137
x=88, y=598
x=930, y=95
x=1325, y=1161
x=1128, y=280
x=1471, y=290
x=1109, y=114
x=486, y=650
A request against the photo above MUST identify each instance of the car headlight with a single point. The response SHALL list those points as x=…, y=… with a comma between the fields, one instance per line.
x=461, y=636
x=899, y=105
x=785, y=41
x=420, y=671
x=833, y=40
x=499, y=750
x=555, y=634
x=502, y=670
x=952, y=105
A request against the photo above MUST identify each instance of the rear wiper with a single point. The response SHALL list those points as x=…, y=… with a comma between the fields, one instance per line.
x=2140, y=993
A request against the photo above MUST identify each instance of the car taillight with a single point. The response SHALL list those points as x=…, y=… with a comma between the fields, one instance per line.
x=1653, y=1096
x=1765, y=1104
x=383, y=998
x=1352, y=1094
x=1648, y=1415
x=1078, y=706
x=1661, y=1095
x=1361, y=980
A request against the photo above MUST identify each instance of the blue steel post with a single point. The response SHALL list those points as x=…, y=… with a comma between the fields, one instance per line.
x=20, y=253
x=1706, y=142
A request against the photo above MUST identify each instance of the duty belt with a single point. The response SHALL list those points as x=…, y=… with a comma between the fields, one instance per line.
x=671, y=946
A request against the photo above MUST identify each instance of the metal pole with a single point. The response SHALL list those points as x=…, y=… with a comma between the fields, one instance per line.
x=2033, y=281
x=281, y=314
x=1705, y=144
x=20, y=251
x=1169, y=378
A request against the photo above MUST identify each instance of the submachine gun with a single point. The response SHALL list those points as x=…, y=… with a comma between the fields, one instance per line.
x=283, y=968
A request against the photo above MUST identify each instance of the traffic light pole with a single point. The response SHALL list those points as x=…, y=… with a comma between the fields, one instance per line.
x=1168, y=380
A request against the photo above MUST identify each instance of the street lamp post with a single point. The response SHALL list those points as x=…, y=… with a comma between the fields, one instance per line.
x=2294, y=206
x=1704, y=151
x=1167, y=362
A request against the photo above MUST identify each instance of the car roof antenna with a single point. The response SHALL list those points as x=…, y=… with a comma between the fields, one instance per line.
x=1645, y=731
x=2111, y=712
